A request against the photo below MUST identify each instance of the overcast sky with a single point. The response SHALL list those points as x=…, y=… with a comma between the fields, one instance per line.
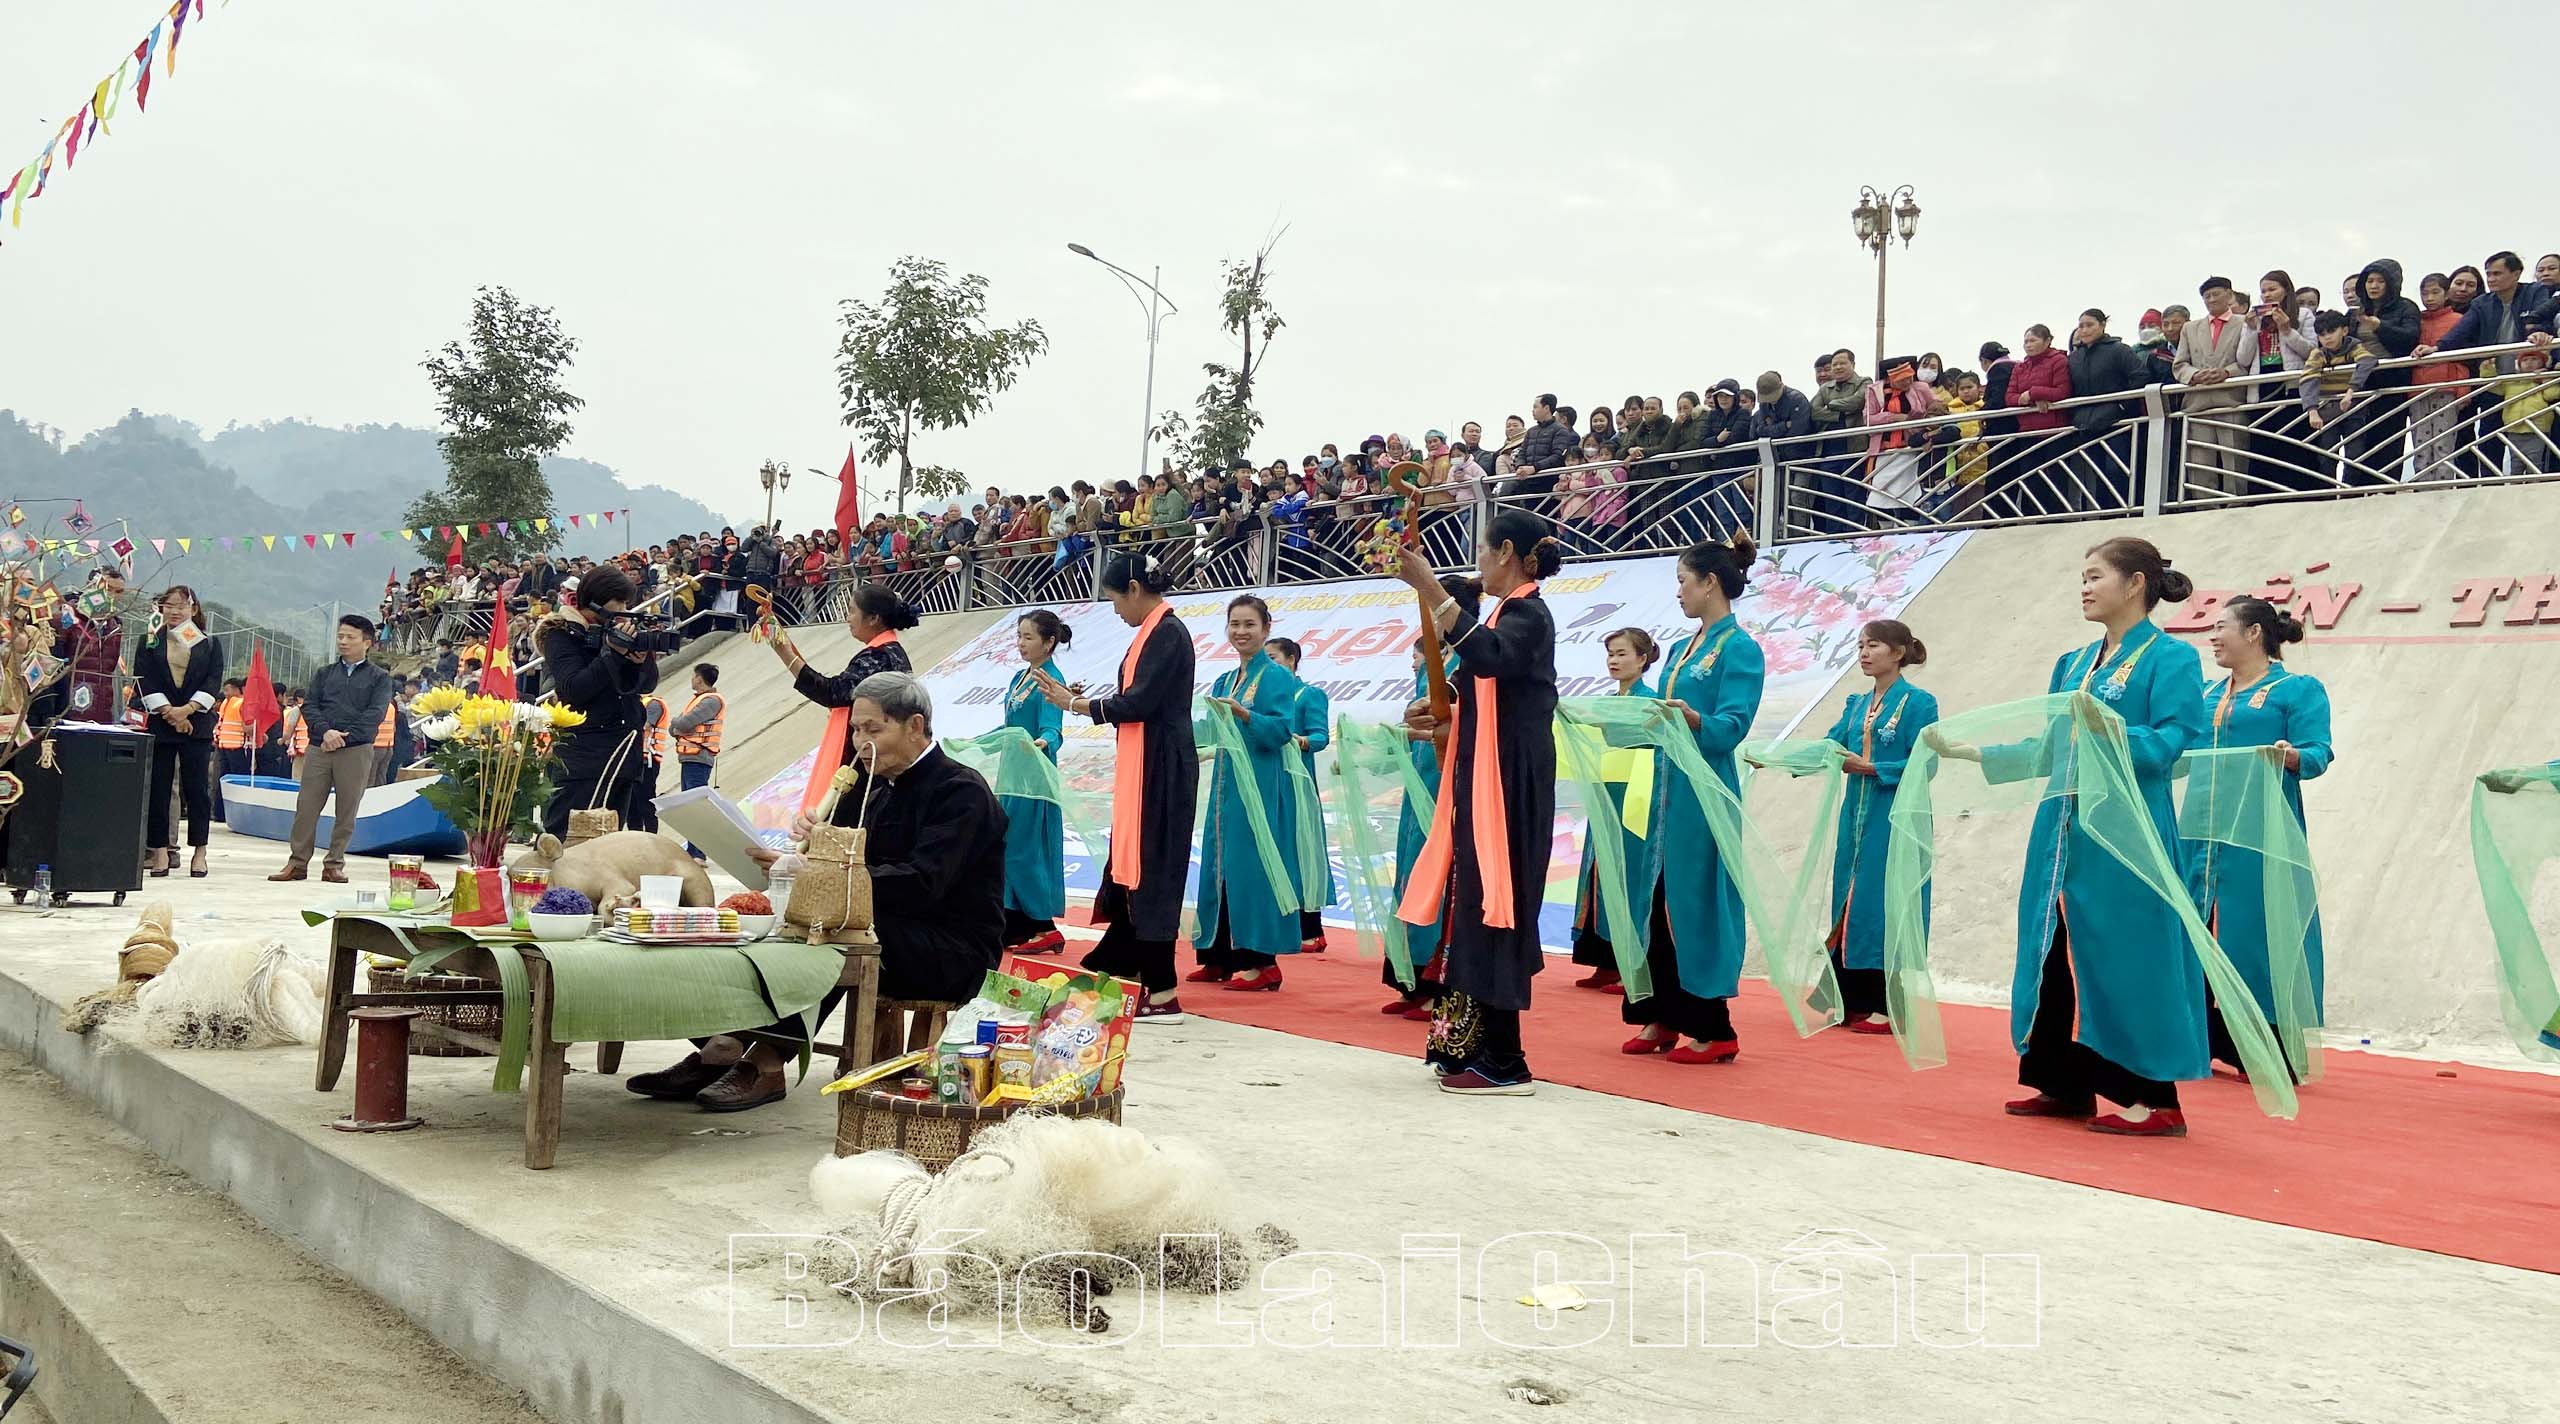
x=1482, y=200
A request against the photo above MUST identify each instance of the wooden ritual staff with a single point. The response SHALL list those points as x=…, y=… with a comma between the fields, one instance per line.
x=1399, y=528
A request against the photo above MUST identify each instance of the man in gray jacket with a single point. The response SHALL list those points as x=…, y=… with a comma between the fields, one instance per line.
x=2215, y=353
x=343, y=708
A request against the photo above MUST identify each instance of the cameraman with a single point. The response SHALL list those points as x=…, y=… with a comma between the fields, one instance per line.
x=599, y=662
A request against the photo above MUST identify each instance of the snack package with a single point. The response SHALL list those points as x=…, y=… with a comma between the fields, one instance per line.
x=1003, y=1000
x=1075, y=1038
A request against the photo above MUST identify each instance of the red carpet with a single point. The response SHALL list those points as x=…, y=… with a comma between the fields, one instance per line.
x=2457, y=1160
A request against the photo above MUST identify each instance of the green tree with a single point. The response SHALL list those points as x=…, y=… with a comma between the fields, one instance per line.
x=504, y=408
x=925, y=359
x=1225, y=422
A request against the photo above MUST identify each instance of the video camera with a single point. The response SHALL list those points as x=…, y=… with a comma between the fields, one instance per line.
x=647, y=635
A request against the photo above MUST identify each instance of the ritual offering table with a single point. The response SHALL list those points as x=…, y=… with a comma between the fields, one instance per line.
x=559, y=992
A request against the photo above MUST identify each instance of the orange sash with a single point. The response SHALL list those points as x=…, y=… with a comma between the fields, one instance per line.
x=831, y=746
x=1129, y=775
x=1429, y=883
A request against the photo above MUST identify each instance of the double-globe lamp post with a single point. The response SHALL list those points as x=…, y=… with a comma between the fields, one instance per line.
x=1151, y=302
x=773, y=475
x=1881, y=217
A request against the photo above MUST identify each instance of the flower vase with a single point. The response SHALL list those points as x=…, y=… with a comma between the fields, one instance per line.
x=480, y=889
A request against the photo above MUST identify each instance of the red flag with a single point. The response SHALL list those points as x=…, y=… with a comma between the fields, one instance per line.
x=453, y=556
x=258, y=697
x=391, y=585
x=848, y=501
x=498, y=673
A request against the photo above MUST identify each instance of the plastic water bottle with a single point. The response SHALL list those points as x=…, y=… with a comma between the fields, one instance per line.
x=41, y=892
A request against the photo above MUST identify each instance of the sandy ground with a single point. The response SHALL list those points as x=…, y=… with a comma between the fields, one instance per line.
x=2097, y=1306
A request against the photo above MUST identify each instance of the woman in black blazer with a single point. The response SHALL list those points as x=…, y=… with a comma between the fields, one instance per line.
x=179, y=678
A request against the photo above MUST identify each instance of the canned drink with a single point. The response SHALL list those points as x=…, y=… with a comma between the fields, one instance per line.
x=977, y=1063
x=1013, y=1064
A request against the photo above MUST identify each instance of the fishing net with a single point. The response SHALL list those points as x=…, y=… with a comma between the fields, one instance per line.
x=1798, y=967
x=2515, y=831
x=2235, y=802
x=2066, y=746
x=1014, y=766
x=1375, y=783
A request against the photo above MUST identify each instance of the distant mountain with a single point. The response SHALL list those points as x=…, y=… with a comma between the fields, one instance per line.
x=164, y=478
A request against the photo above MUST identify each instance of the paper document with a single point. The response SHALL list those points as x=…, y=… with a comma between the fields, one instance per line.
x=717, y=828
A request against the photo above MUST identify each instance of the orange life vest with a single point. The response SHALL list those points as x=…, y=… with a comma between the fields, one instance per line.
x=232, y=732
x=300, y=741
x=703, y=740
x=654, y=720
x=390, y=724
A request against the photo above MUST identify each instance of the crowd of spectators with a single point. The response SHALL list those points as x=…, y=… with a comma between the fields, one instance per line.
x=2284, y=389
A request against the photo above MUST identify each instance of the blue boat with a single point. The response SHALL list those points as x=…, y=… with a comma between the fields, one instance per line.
x=392, y=820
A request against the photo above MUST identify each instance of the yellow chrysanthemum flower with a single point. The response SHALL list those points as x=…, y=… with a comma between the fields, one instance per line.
x=564, y=717
x=436, y=701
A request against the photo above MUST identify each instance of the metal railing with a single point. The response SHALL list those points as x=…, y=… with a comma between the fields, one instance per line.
x=2136, y=452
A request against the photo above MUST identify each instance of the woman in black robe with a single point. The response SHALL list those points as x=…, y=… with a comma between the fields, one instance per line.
x=1155, y=789
x=874, y=616
x=1506, y=668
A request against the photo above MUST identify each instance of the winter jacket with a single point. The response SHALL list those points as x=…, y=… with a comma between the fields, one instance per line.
x=2432, y=326
x=1787, y=417
x=1920, y=399
x=1689, y=433
x=1550, y=445
x=1995, y=394
x=2392, y=325
x=1839, y=405
x=2099, y=368
x=1653, y=435
x=2495, y=322
x=2045, y=376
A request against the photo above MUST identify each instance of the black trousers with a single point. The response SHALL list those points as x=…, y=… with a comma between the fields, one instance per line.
x=913, y=965
x=1861, y=990
x=641, y=813
x=1122, y=953
x=1221, y=952
x=1468, y=1034
x=190, y=762
x=1671, y=1006
x=2060, y=1067
x=587, y=762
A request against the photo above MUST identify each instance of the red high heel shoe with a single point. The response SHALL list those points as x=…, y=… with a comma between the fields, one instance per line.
x=1401, y=1007
x=1311, y=946
x=1043, y=943
x=1258, y=981
x=2044, y=1105
x=1723, y=1050
x=1640, y=1045
x=1602, y=980
x=2163, y=1122
x=1208, y=974
x=1873, y=1023
x=1422, y=1012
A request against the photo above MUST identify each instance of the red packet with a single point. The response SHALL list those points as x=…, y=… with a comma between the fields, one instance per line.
x=479, y=898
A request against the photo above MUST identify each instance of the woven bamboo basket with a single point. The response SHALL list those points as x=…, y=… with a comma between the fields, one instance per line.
x=936, y=1133
x=481, y=1019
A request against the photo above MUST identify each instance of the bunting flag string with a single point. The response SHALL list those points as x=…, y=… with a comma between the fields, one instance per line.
x=316, y=541
x=90, y=122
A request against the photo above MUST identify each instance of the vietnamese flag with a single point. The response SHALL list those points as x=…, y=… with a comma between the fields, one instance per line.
x=848, y=501
x=453, y=556
x=258, y=703
x=498, y=673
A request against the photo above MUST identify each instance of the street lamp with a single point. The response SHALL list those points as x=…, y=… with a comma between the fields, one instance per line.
x=1879, y=219
x=773, y=475
x=1155, y=327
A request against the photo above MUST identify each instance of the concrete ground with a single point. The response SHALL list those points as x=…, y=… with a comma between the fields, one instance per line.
x=600, y=1287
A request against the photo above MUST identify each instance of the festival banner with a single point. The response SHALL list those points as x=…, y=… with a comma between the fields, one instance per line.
x=87, y=125
x=317, y=541
x=1804, y=607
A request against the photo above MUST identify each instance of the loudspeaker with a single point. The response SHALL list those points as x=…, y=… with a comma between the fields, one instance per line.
x=83, y=817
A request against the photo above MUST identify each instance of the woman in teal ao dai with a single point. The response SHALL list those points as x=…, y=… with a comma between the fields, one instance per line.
x=1693, y=950
x=1422, y=942
x=1249, y=920
x=2108, y=1001
x=2258, y=702
x=1035, y=845
x=1632, y=773
x=1313, y=725
x=1878, y=729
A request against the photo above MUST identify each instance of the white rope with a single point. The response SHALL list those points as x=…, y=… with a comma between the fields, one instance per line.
x=900, y=1210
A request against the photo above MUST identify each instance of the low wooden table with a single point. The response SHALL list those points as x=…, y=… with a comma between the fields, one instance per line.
x=546, y=1062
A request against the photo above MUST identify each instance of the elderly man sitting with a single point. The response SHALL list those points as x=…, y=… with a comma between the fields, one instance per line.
x=936, y=854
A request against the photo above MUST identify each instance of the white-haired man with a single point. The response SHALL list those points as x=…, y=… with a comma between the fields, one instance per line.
x=936, y=857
